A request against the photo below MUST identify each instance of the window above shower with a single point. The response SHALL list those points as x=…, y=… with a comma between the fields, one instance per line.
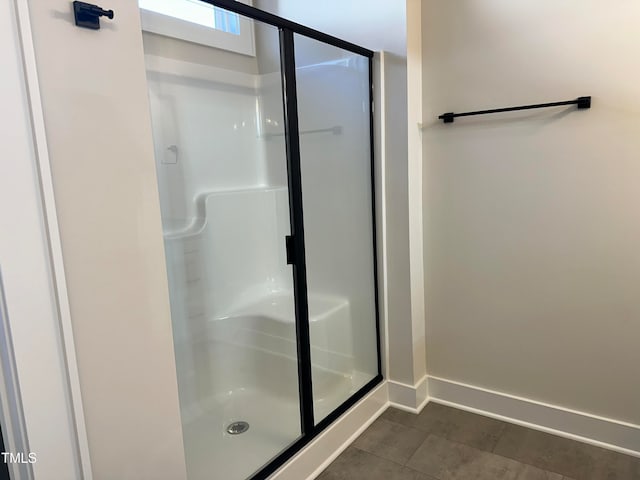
x=198, y=22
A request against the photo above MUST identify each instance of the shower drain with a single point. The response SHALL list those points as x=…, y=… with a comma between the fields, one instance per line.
x=236, y=428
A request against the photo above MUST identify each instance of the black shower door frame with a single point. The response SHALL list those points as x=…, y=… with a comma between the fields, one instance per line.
x=287, y=29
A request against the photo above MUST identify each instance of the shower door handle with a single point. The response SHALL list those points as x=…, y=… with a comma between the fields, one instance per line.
x=288, y=240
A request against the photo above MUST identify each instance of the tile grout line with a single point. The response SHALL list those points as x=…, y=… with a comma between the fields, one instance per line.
x=418, y=471
x=491, y=448
x=531, y=465
x=426, y=433
x=394, y=462
x=458, y=443
x=378, y=456
x=499, y=437
x=493, y=451
x=415, y=451
x=496, y=454
x=398, y=423
x=404, y=464
x=503, y=430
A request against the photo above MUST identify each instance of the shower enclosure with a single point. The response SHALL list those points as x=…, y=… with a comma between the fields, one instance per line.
x=264, y=165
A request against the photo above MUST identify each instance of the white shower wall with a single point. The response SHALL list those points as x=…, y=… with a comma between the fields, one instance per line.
x=225, y=217
x=205, y=136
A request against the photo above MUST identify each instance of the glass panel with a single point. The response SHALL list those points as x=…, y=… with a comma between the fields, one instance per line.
x=333, y=112
x=221, y=166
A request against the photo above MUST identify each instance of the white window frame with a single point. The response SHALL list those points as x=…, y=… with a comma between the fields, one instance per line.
x=167, y=26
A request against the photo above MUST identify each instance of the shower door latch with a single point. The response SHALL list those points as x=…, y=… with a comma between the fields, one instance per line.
x=290, y=249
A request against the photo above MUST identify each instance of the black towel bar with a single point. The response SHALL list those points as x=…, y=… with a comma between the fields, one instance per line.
x=581, y=102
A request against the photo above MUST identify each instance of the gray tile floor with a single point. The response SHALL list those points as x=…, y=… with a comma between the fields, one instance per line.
x=444, y=443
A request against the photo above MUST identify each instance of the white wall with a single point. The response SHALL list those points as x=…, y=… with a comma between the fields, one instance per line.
x=96, y=113
x=532, y=223
x=374, y=24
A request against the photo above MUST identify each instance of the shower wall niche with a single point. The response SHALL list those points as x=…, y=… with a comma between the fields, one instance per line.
x=225, y=180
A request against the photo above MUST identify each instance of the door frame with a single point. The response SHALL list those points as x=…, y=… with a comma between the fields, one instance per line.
x=56, y=357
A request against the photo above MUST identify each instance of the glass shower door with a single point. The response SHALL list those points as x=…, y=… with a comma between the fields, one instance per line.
x=333, y=94
x=218, y=130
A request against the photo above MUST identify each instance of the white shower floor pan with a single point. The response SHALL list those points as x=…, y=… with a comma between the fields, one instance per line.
x=246, y=370
x=212, y=453
x=274, y=424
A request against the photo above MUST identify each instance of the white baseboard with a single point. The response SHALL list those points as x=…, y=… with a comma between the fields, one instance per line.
x=584, y=427
x=410, y=398
x=315, y=457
